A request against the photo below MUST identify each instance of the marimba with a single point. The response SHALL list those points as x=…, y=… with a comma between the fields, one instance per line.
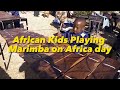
x=65, y=65
x=10, y=34
x=74, y=66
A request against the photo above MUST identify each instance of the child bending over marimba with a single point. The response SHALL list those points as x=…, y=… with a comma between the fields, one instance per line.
x=62, y=21
x=78, y=30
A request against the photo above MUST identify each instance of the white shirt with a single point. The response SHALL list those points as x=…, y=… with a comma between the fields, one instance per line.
x=71, y=12
x=96, y=12
x=60, y=13
x=105, y=21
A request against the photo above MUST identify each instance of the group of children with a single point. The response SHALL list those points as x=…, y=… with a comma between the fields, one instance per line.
x=78, y=26
x=61, y=20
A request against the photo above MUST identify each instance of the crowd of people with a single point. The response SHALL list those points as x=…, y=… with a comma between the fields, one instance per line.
x=63, y=22
x=110, y=23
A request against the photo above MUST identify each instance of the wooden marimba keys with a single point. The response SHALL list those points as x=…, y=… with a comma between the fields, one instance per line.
x=85, y=67
x=64, y=65
x=106, y=70
x=78, y=67
x=10, y=34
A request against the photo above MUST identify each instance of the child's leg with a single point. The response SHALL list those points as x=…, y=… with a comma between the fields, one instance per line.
x=36, y=13
x=17, y=23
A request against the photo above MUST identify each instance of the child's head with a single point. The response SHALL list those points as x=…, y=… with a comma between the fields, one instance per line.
x=63, y=18
x=58, y=14
x=79, y=25
x=61, y=15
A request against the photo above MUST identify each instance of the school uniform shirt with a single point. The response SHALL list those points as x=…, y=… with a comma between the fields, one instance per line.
x=70, y=34
x=56, y=21
x=68, y=24
x=71, y=12
x=15, y=13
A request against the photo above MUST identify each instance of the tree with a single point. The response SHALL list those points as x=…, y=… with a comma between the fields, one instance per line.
x=79, y=13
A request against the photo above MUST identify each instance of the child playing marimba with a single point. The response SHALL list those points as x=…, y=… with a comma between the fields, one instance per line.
x=62, y=21
x=59, y=15
x=78, y=30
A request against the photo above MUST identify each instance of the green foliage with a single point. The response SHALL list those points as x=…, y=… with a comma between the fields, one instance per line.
x=79, y=13
x=107, y=11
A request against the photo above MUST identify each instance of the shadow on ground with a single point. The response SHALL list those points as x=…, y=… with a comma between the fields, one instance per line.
x=3, y=74
x=34, y=66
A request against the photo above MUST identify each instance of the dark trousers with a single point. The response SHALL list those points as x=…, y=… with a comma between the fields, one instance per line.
x=36, y=13
x=17, y=23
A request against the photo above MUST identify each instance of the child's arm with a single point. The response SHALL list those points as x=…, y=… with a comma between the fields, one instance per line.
x=59, y=34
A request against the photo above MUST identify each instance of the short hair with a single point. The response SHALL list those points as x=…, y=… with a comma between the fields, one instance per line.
x=80, y=19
